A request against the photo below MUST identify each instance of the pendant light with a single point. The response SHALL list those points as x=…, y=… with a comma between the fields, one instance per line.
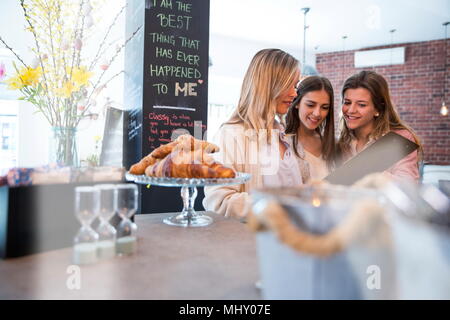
x=344, y=37
x=305, y=11
x=307, y=70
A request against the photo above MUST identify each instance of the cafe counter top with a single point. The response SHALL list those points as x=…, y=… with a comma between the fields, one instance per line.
x=214, y=262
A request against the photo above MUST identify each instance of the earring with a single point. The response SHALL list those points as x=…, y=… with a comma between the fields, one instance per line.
x=376, y=115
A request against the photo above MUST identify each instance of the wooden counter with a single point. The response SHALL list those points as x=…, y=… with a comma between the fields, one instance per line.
x=214, y=262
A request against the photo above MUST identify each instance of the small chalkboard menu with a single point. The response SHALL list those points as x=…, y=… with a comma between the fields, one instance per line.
x=166, y=91
x=112, y=145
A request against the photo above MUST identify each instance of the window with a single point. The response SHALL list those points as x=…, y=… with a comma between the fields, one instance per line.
x=8, y=134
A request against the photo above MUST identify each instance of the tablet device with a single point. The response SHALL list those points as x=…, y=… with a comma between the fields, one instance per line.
x=377, y=157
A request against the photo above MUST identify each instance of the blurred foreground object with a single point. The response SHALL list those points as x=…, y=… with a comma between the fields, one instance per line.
x=37, y=206
x=336, y=242
x=16, y=177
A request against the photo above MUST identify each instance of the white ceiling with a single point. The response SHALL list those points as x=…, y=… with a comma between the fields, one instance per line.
x=366, y=23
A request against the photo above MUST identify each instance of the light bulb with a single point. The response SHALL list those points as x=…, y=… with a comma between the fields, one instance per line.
x=444, y=109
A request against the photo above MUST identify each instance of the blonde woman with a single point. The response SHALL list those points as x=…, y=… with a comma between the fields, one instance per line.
x=252, y=140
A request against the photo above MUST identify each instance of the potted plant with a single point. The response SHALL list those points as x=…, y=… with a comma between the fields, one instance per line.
x=62, y=82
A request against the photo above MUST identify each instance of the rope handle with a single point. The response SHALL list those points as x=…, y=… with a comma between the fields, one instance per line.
x=364, y=218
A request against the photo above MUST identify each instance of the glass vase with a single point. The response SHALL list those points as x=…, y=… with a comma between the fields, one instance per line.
x=63, y=146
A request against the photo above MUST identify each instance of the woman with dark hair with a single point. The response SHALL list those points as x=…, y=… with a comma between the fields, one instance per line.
x=368, y=114
x=310, y=122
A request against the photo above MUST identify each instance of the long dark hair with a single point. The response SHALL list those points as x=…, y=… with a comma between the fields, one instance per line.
x=388, y=119
x=326, y=128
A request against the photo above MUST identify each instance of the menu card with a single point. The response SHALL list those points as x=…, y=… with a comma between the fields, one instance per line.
x=377, y=157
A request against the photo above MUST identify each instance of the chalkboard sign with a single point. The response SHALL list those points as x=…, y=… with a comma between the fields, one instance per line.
x=174, y=84
x=175, y=70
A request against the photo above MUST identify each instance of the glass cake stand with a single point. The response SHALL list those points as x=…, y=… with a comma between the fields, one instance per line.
x=188, y=217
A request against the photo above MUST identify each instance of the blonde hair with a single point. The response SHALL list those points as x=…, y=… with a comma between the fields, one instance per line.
x=388, y=118
x=270, y=72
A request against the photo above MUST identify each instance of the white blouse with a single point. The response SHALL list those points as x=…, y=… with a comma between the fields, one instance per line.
x=317, y=166
x=288, y=173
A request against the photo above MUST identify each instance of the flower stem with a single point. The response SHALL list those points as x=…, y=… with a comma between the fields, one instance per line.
x=11, y=49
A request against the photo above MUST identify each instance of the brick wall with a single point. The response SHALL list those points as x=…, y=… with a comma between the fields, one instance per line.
x=416, y=90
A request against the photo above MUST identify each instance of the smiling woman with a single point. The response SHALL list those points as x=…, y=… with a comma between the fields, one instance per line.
x=310, y=121
x=252, y=140
x=368, y=114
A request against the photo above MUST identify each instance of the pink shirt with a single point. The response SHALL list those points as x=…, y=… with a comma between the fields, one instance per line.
x=407, y=168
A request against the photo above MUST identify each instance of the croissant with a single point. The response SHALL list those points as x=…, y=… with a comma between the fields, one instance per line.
x=223, y=171
x=139, y=168
x=188, y=165
x=185, y=157
x=163, y=150
x=187, y=142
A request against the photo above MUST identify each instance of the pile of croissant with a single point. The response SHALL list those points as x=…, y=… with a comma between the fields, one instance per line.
x=185, y=157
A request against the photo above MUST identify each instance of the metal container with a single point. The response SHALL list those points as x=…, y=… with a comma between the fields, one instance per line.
x=336, y=242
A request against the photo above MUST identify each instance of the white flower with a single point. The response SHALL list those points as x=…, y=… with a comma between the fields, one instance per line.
x=87, y=8
x=89, y=21
x=35, y=63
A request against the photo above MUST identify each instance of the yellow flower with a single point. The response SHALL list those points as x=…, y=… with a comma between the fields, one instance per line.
x=14, y=83
x=26, y=77
x=80, y=77
x=67, y=89
x=30, y=76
